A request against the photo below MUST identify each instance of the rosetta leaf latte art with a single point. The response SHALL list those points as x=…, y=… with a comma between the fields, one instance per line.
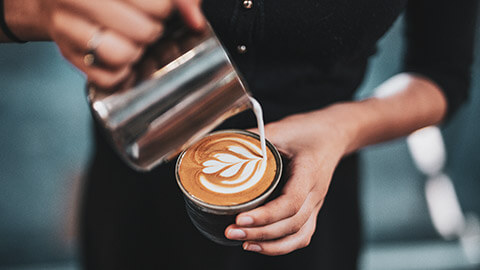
x=230, y=165
x=240, y=167
x=226, y=168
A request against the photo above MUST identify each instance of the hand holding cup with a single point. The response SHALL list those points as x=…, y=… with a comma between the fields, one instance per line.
x=314, y=147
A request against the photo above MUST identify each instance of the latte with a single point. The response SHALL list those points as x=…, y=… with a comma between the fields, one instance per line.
x=227, y=168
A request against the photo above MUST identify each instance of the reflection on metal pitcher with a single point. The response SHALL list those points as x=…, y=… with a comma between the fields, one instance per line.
x=182, y=88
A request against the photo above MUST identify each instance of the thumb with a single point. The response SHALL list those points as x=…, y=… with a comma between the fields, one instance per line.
x=254, y=130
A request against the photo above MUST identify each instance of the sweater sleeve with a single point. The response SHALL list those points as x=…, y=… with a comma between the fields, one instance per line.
x=440, y=38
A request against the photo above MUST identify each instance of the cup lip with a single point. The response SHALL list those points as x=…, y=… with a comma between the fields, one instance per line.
x=234, y=209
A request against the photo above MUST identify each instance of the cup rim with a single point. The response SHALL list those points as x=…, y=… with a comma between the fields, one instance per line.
x=237, y=208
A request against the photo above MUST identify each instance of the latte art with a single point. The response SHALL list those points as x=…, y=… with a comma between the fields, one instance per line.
x=227, y=169
x=239, y=166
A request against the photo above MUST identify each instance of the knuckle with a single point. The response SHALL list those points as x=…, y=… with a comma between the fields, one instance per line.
x=260, y=235
x=295, y=228
x=117, y=51
x=295, y=206
x=292, y=210
x=265, y=217
x=150, y=33
x=124, y=56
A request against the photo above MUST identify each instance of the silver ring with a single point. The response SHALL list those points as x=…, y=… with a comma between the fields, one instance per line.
x=90, y=57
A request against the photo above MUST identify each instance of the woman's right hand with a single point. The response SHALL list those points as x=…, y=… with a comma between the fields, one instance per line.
x=119, y=29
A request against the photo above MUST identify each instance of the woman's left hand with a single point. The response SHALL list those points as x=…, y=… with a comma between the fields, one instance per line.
x=314, y=143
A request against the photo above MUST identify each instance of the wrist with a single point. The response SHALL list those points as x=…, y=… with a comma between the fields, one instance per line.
x=25, y=19
x=345, y=123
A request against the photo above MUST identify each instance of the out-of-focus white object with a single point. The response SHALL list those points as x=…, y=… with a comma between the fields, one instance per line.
x=428, y=150
x=444, y=207
x=429, y=155
x=393, y=85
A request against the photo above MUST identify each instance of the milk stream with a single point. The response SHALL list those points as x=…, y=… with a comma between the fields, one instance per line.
x=257, y=110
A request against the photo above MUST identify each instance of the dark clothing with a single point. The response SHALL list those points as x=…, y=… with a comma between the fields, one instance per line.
x=300, y=55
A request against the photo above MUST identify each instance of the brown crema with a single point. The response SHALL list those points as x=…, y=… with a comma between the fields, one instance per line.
x=226, y=168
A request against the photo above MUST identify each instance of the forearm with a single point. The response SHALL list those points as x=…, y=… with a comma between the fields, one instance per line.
x=415, y=103
x=25, y=19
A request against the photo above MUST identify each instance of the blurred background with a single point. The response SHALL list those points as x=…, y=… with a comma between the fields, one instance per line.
x=45, y=144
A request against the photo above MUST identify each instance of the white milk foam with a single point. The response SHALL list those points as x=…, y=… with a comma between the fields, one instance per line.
x=230, y=166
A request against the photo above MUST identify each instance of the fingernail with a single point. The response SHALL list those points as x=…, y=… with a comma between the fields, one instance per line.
x=236, y=234
x=244, y=221
x=253, y=247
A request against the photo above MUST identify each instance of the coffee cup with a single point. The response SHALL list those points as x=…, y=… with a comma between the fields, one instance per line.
x=224, y=174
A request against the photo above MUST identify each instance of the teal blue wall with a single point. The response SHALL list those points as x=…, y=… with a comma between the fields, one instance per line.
x=44, y=143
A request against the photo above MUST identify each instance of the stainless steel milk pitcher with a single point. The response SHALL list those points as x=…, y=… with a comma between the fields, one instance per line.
x=183, y=87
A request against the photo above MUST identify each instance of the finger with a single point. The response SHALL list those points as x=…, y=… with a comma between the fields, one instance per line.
x=121, y=18
x=286, y=205
x=116, y=51
x=278, y=229
x=287, y=244
x=158, y=9
x=191, y=12
x=102, y=77
x=113, y=50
